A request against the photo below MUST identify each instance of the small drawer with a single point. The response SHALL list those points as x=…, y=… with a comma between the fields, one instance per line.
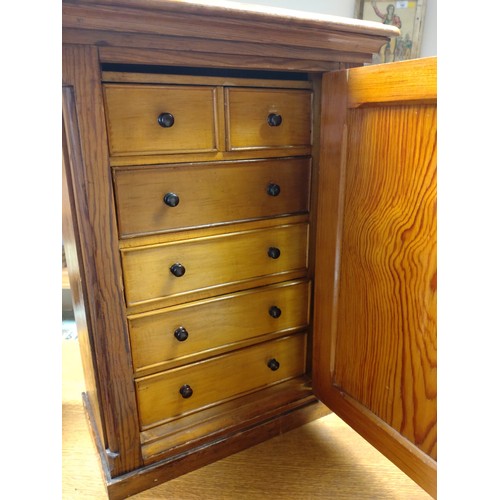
x=193, y=387
x=204, y=326
x=171, y=269
x=147, y=119
x=174, y=197
x=268, y=118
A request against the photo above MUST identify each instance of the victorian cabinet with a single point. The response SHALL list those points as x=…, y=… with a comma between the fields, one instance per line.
x=250, y=228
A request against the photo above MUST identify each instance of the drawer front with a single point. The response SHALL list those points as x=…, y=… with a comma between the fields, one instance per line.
x=203, y=326
x=268, y=118
x=150, y=272
x=164, y=198
x=159, y=396
x=133, y=113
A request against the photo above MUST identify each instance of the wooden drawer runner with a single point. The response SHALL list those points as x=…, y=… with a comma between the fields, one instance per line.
x=204, y=326
x=218, y=379
x=133, y=112
x=212, y=261
x=164, y=198
x=250, y=113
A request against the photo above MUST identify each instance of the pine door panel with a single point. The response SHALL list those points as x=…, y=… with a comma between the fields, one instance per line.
x=376, y=347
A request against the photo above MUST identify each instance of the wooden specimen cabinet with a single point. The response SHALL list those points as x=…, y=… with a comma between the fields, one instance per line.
x=250, y=229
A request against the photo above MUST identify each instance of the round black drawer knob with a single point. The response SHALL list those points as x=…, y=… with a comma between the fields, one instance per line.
x=273, y=190
x=171, y=199
x=166, y=120
x=181, y=334
x=177, y=270
x=273, y=252
x=186, y=391
x=274, y=120
x=273, y=364
x=274, y=312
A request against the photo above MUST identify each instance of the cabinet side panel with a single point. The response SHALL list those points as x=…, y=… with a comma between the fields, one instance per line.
x=72, y=245
x=96, y=222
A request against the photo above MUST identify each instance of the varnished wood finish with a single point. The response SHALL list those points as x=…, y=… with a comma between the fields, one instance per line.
x=204, y=80
x=89, y=180
x=395, y=83
x=333, y=460
x=124, y=250
x=72, y=157
x=215, y=325
x=212, y=262
x=247, y=113
x=229, y=417
x=232, y=54
x=132, y=117
x=382, y=335
x=228, y=192
x=218, y=379
x=397, y=207
x=200, y=60
x=235, y=35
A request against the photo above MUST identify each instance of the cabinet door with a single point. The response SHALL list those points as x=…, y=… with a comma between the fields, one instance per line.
x=375, y=290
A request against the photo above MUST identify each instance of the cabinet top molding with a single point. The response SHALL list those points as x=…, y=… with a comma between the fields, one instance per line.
x=292, y=39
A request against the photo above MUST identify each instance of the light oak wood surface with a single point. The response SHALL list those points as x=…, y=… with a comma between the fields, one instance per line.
x=247, y=112
x=321, y=460
x=227, y=192
x=216, y=325
x=212, y=262
x=218, y=379
x=132, y=118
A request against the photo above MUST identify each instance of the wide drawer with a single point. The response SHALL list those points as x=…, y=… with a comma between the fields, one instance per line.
x=259, y=118
x=169, y=269
x=176, y=392
x=160, y=119
x=163, y=198
x=204, y=326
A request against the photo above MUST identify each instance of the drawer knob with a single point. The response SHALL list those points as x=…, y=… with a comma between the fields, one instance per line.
x=166, y=120
x=273, y=190
x=171, y=199
x=186, y=391
x=274, y=120
x=274, y=312
x=181, y=334
x=177, y=270
x=273, y=364
x=273, y=252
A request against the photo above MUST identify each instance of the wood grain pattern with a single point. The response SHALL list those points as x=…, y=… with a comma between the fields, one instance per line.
x=322, y=460
x=132, y=112
x=217, y=379
x=131, y=55
x=375, y=353
x=91, y=187
x=387, y=360
x=187, y=46
x=181, y=18
x=228, y=192
x=397, y=82
x=247, y=112
x=213, y=262
x=216, y=325
x=254, y=14
x=204, y=80
x=72, y=159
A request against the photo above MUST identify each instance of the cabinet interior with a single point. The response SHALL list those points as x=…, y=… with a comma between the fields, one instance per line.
x=221, y=165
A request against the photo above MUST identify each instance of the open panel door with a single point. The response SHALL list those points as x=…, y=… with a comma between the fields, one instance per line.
x=375, y=291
